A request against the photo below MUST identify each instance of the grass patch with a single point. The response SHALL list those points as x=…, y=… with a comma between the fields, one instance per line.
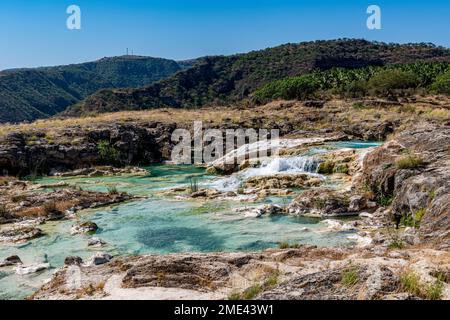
x=193, y=184
x=419, y=215
x=410, y=282
x=434, y=290
x=350, y=277
x=409, y=162
x=252, y=292
x=112, y=190
x=272, y=280
x=385, y=201
x=287, y=245
x=396, y=243
x=358, y=106
x=234, y=296
x=342, y=168
x=407, y=220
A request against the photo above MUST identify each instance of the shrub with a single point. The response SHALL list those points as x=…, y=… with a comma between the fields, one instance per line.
x=388, y=81
x=300, y=88
x=409, y=162
x=349, y=277
x=407, y=220
x=385, y=201
x=442, y=84
x=355, y=89
x=108, y=153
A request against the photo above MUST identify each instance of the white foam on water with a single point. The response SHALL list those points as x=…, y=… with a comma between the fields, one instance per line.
x=270, y=167
x=267, y=146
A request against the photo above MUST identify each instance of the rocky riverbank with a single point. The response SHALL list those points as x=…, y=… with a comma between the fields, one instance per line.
x=398, y=195
x=142, y=138
x=25, y=205
x=400, y=191
x=300, y=273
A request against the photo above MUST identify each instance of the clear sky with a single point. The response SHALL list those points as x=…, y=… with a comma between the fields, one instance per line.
x=34, y=33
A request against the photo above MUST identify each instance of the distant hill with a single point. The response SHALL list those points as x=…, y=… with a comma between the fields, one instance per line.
x=222, y=80
x=28, y=94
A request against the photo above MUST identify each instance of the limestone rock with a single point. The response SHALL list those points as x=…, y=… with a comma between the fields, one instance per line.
x=10, y=261
x=321, y=202
x=99, y=258
x=84, y=227
x=20, y=234
x=69, y=261
x=23, y=270
x=96, y=242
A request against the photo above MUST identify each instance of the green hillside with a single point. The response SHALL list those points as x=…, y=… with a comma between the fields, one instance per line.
x=391, y=80
x=224, y=80
x=28, y=94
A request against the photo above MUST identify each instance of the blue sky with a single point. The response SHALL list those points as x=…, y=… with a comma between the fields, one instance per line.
x=34, y=33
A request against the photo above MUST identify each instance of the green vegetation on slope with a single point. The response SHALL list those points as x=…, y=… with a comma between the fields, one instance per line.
x=378, y=81
x=226, y=80
x=28, y=94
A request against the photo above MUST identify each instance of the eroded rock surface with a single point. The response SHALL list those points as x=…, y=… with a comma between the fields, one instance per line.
x=412, y=172
x=302, y=273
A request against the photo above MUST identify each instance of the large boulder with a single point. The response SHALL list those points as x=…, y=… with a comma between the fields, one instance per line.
x=69, y=261
x=10, y=261
x=321, y=202
x=99, y=258
x=84, y=227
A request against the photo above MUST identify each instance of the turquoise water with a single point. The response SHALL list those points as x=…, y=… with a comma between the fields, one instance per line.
x=159, y=225
x=356, y=144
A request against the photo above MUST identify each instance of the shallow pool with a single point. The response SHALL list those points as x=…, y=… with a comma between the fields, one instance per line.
x=157, y=224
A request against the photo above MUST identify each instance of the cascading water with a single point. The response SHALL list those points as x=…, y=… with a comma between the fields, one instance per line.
x=291, y=165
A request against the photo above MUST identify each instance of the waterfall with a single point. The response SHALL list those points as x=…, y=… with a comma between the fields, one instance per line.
x=291, y=165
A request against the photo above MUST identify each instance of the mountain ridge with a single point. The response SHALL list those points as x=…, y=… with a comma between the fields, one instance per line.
x=224, y=80
x=27, y=94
